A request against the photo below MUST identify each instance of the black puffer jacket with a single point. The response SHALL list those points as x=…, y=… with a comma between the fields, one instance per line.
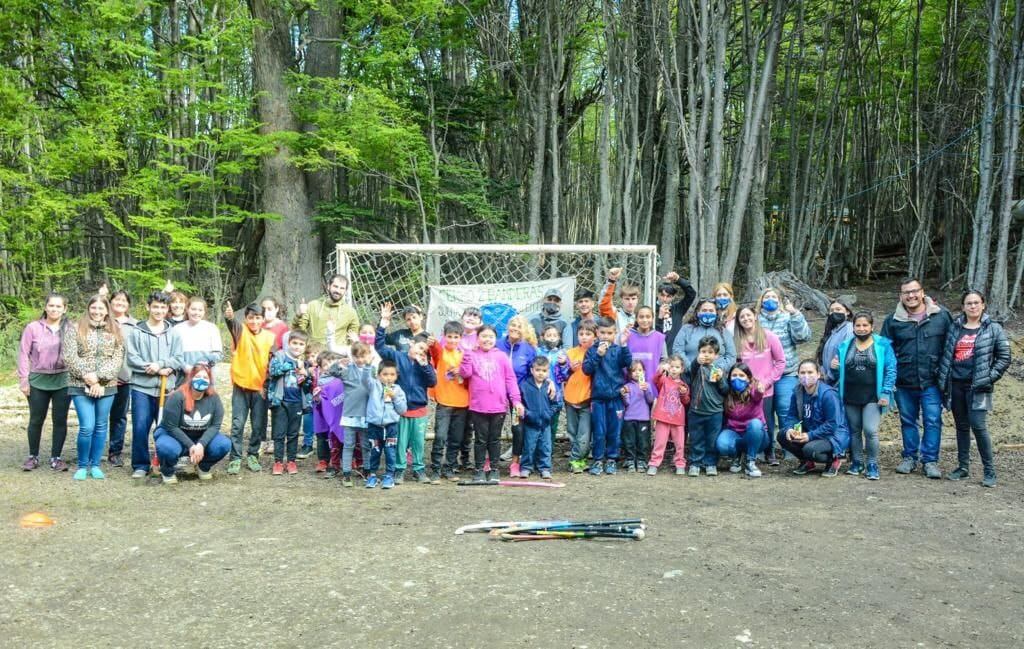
x=918, y=347
x=991, y=354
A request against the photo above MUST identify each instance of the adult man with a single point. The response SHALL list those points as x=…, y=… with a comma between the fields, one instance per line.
x=918, y=330
x=550, y=313
x=332, y=307
x=584, y=310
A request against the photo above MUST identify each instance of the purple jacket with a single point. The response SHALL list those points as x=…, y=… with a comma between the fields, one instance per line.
x=492, y=381
x=42, y=352
x=327, y=410
x=737, y=417
x=649, y=349
x=638, y=402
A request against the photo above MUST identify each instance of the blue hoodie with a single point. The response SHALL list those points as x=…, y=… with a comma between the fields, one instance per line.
x=412, y=377
x=380, y=412
x=539, y=408
x=521, y=354
x=607, y=372
x=823, y=416
x=885, y=367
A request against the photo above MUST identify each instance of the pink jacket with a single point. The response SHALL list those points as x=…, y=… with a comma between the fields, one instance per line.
x=41, y=352
x=491, y=380
x=737, y=417
x=767, y=366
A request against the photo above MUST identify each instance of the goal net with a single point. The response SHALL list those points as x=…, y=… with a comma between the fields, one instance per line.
x=403, y=273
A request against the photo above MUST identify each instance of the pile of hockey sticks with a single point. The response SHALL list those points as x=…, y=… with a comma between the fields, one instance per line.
x=627, y=529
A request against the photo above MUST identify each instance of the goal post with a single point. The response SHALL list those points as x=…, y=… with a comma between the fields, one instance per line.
x=403, y=273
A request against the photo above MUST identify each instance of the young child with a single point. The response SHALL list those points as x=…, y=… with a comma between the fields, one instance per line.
x=629, y=298
x=540, y=408
x=492, y=387
x=472, y=318
x=415, y=375
x=357, y=377
x=385, y=406
x=744, y=433
x=645, y=343
x=550, y=347
x=576, y=392
x=251, y=347
x=313, y=351
x=708, y=387
x=452, y=399
x=670, y=414
x=328, y=406
x=289, y=384
x=606, y=363
x=273, y=320
x=638, y=395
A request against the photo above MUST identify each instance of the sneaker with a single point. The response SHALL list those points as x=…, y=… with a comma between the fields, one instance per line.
x=421, y=477
x=58, y=464
x=959, y=473
x=907, y=465
x=641, y=466
x=453, y=475
x=81, y=474
x=576, y=466
x=711, y=469
x=346, y=480
x=855, y=469
x=513, y=470
x=493, y=476
x=183, y=463
x=253, y=463
x=610, y=467
x=96, y=474
x=871, y=472
x=989, y=480
x=169, y=479
x=479, y=476
x=597, y=468
x=331, y=472
x=31, y=463
x=434, y=477
x=304, y=452
x=629, y=467
x=804, y=468
x=833, y=468
x=291, y=467
x=138, y=474
x=371, y=481
x=752, y=470
x=278, y=469
x=737, y=464
x=545, y=474
x=115, y=460
x=398, y=477
x=773, y=459
x=234, y=467
x=524, y=474
x=321, y=466
x=694, y=471
x=507, y=455
x=931, y=470
x=204, y=475
x=653, y=470
x=388, y=482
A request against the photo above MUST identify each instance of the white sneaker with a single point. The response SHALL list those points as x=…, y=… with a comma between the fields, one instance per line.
x=507, y=455
x=204, y=475
x=138, y=474
x=752, y=470
x=169, y=479
x=652, y=470
x=737, y=465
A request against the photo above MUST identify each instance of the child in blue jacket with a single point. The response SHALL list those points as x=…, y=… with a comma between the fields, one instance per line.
x=606, y=364
x=540, y=409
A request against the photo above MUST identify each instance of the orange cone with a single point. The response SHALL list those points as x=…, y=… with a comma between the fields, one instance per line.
x=36, y=519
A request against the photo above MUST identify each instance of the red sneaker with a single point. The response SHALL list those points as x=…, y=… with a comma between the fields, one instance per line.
x=291, y=467
x=321, y=466
x=278, y=469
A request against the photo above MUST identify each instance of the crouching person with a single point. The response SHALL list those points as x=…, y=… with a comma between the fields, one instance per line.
x=191, y=427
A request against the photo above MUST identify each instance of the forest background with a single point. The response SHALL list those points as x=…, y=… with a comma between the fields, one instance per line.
x=229, y=145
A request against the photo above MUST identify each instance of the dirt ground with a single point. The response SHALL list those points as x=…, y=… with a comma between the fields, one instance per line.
x=258, y=560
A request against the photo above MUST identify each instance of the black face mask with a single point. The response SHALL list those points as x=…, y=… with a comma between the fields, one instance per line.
x=836, y=319
x=551, y=309
x=862, y=337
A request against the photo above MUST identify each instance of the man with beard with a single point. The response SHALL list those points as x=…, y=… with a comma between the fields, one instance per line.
x=313, y=318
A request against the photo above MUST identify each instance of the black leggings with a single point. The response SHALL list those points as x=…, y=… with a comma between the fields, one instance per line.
x=38, y=404
x=487, y=428
x=816, y=450
x=966, y=420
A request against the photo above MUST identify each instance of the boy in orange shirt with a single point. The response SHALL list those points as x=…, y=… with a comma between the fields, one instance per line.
x=629, y=298
x=576, y=392
x=452, y=397
x=251, y=349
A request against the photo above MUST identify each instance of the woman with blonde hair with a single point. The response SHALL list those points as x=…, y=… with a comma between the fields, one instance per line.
x=520, y=345
x=725, y=302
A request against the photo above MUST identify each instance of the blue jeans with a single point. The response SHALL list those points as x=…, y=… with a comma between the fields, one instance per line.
x=119, y=419
x=781, y=400
x=383, y=440
x=606, y=422
x=703, y=433
x=927, y=403
x=93, y=421
x=536, y=449
x=169, y=450
x=145, y=409
x=307, y=430
x=751, y=442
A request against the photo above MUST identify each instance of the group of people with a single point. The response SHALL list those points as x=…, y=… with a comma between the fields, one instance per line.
x=635, y=383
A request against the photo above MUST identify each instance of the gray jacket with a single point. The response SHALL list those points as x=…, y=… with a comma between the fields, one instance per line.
x=143, y=347
x=792, y=329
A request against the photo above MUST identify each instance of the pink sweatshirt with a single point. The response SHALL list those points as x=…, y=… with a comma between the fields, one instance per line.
x=41, y=352
x=767, y=366
x=736, y=418
x=492, y=382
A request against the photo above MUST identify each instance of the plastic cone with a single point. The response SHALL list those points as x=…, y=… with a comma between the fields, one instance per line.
x=36, y=519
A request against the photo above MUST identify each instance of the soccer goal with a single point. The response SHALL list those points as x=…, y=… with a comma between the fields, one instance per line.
x=403, y=273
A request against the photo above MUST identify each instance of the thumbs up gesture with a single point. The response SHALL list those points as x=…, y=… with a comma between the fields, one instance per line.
x=303, y=307
x=169, y=286
x=103, y=290
x=229, y=312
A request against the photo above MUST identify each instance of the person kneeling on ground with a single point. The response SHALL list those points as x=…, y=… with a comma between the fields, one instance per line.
x=815, y=427
x=191, y=426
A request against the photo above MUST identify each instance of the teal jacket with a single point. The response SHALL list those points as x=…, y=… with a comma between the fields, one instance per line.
x=885, y=367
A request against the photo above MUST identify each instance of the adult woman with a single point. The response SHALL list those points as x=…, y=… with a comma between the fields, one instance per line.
x=670, y=310
x=43, y=379
x=838, y=329
x=743, y=432
x=704, y=323
x=725, y=302
x=274, y=322
x=200, y=338
x=814, y=429
x=176, y=311
x=779, y=316
x=762, y=353
x=865, y=367
x=520, y=344
x=976, y=355
x=94, y=354
x=120, y=303
x=191, y=425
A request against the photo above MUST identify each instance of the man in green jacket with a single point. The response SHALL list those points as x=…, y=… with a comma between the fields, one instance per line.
x=332, y=307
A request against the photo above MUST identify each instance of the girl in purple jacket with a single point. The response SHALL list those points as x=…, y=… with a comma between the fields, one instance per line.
x=744, y=433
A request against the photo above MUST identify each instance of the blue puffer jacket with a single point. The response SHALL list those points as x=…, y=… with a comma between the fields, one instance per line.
x=885, y=367
x=607, y=372
x=823, y=416
x=521, y=354
x=412, y=377
x=539, y=408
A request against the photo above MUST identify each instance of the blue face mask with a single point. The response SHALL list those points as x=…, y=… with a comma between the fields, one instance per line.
x=739, y=384
x=770, y=305
x=707, y=319
x=723, y=302
x=199, y=384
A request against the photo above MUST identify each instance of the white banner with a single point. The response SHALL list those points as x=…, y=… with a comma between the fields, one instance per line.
x=498, y=302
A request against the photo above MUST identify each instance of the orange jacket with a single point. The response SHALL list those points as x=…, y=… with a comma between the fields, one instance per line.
x=251, y=357
x=448, y=392
x=577, y=388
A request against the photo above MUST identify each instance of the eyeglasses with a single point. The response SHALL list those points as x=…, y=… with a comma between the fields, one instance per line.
x=913, y=291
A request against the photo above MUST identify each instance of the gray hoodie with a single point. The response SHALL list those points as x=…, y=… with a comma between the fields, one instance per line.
x=143, y=347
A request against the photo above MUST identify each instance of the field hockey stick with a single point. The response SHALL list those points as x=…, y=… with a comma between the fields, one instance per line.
x=155, y=462
x=487, y=526
x=545, y=535
x=548, y=525
x=616, y=529
x=511, y=483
